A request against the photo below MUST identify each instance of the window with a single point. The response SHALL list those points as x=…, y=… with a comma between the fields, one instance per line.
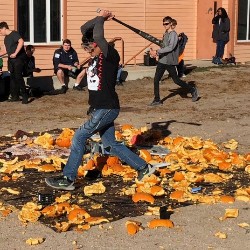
x=243, y=20
x=40, y=21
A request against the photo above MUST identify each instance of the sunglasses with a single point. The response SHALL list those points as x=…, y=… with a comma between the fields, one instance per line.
x=88, y=48
x=164, y=24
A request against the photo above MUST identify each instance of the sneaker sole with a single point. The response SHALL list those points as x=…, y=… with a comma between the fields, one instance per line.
x=154, y=168
x=161, y=165
x=151, y=171
x=69, y=188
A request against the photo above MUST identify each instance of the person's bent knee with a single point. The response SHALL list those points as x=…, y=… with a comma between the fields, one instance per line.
x=60, y=72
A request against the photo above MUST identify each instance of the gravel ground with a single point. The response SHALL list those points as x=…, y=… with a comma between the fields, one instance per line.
x=221, y=114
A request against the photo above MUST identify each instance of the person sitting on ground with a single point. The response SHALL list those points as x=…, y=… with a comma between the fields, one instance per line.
x=66, y=63
x=30, y=65
x=118, y=76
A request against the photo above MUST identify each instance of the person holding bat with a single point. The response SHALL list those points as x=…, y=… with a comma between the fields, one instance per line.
x=168, y=60
x=104, y=106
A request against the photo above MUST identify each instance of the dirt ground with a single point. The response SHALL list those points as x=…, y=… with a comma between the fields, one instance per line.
x=221, y=114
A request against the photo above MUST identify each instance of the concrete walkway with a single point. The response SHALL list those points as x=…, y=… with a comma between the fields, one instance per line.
x=131, y=72
x=139, y=71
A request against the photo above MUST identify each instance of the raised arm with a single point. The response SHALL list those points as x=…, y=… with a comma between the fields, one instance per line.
x=93, y=30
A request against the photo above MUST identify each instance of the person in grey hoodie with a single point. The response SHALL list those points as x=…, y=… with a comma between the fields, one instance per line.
x=168, y=60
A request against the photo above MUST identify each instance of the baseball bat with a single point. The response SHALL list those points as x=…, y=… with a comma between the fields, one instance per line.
x=139, y=32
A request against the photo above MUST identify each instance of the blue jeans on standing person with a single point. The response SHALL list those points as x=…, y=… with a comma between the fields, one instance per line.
x=160, y=69
x=102, y=121
x=220, y=46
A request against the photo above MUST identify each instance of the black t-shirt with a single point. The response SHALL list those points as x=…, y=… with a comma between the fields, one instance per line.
x=101, y=78
x=67, y=58
x=11, y=42
x=29, y=66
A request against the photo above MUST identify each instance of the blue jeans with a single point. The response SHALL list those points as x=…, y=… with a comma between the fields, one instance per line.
x=102, y=121
x=220, y=46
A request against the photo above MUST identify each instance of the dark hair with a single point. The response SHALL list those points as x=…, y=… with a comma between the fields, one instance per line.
x=87, y=37
x=174, y=22
x=67, y=41
x=223, y=13
x=29, y=47
x=167, y=18
x=4, y=25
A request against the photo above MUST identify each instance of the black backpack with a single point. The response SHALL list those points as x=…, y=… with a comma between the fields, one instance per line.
x=182, y=42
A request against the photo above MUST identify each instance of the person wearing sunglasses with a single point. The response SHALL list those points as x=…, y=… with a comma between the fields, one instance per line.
x=168, y=60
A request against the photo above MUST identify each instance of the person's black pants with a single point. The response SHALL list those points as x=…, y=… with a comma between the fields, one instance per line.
x=17, y=84
x=160, y=69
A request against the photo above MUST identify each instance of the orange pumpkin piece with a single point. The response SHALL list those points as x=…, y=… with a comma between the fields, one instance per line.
x=168, y=140
x=157, y=191
x=133, y=227
x=164, y=171
x=77, y=215
x=145, y=155
x=225, y=166
x=238, y=160
x=118, y=168
x=63, y=142
x=63, y=226
x=178, y=194
x=178, y=176
x=90, y=165
x=64, y=139
x=83, y=227
x=63, y=207
x=46, y=140
x=49, y=211
x=227, y=199
x=118, y=136
x=96, y=220
x=247, y=157
x=126, y=126
x=112, y=160
x=139, y=196
x=178, y=140
x=5, y=212
x=47, y=168
x=6, y=178
x=160, y=223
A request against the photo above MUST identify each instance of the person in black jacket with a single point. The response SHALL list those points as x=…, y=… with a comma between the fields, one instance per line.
x=65, y=61
x=221, y=28
x=30, y=65
x=104, y=107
